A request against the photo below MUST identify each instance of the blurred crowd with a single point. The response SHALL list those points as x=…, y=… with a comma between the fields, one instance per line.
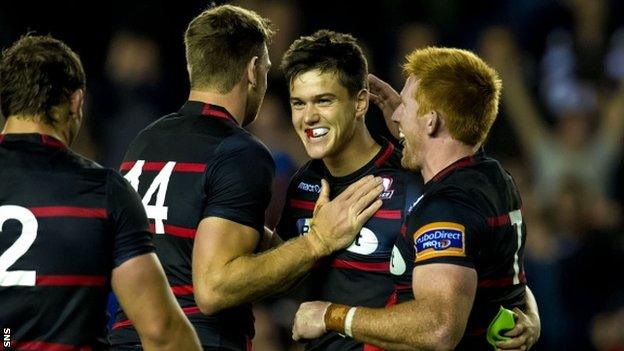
x=560, y=130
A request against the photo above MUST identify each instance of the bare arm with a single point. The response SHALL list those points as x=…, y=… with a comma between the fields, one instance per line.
x=612, y=126
x=500, y=50
x=434, y=320
x=226, y=273
x=145, y=296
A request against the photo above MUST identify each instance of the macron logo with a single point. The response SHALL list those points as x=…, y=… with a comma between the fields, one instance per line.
x=313, y=188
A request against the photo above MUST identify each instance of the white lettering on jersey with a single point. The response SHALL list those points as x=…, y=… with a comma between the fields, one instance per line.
x=365, y=243
x=397, y=263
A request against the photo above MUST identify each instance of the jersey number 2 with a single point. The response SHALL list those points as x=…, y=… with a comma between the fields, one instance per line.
x=19, y=248
x=158, y=211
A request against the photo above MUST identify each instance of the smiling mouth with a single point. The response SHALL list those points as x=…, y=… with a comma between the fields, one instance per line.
x=401, y=137
x=316, y=133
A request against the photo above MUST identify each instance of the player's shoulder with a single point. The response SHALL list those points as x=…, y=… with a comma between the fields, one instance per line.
x=84, y=162
x=245, y=143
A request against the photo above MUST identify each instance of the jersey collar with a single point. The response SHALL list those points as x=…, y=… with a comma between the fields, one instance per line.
x=32, y=138
x=461, y=163
x=387, y=148
x=208, y=110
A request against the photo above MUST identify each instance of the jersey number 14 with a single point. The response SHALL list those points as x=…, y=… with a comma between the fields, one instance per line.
x=158, y=211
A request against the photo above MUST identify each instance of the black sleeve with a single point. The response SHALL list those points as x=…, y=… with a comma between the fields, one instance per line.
x=445, y=229
x=286, y=227
x=129, y=221
x=239, y=181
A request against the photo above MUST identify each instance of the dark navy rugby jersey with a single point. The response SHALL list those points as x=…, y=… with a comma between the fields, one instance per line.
x=187, y=166
x=65, y=223
x=358, y=275
x=470, y=215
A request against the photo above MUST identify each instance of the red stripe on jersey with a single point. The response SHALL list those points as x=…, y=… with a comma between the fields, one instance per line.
x=400, y=287
x=368, y=347
x=189, y=167
x=52, y=142
x=208, y=110
x=49, y=346
x=362, y=266
x=1, y=138
x=180, y=290
x=68, y=211
x=71, y=280
x=184, y=167
x=500, y=283
x=302, y=204
x=476, y=332
x=191, y=310
x=499, y=221
x=388, y=214
x=458, y=164
x=126, y=322
x=173, y=230
x=384, y=157
x=122, y=324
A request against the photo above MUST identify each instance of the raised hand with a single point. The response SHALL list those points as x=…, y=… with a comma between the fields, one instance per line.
x=387, y=99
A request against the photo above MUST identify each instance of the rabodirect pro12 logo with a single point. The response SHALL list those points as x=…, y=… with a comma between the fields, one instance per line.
x=439, y=239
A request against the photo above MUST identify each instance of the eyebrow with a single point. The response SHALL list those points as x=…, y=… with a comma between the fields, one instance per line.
x=315, y=97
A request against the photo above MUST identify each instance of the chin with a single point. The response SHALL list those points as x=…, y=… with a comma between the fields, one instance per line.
x=409, y=164
x=315, y=153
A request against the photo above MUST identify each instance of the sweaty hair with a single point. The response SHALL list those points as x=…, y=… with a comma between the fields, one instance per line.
x=459, y=85
x=219, y=43
x=328, y=51
x=38, y=73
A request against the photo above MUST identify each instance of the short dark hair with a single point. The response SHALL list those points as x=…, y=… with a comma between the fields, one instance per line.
x=328, y=51
x=38, y=73
x=219, y=43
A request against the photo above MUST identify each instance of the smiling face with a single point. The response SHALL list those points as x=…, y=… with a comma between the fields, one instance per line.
x=411, y=127
x=324, y=115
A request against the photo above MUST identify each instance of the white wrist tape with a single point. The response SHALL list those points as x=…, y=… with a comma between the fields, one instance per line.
x=349, y=321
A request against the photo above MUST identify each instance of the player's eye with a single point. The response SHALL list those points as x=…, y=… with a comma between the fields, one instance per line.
x=324, y=102
x=297, y=104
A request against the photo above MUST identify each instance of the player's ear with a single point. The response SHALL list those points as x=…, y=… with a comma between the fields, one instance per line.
x=433, y=122
x=76, y=100
x=361, y=103
x=252, y=70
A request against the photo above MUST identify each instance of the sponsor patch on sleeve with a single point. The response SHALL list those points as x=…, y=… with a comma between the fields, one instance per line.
x=439, y=239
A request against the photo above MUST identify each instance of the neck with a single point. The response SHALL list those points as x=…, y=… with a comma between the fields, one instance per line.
x=441, y=154
x=23, y=124
x=234, y=101
x=357, y=152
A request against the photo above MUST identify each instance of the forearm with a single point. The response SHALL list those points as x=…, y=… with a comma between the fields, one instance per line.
x=521, y=109
x=406, y=326
x=179, y=336
x=250, y=277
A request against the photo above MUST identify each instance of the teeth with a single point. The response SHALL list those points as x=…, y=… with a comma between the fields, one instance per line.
x=401, y=135
x=317, y=132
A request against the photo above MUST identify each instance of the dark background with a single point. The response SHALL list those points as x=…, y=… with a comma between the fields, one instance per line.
x=569, y=54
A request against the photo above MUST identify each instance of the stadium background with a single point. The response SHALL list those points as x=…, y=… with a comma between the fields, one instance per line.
x=562, y=62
